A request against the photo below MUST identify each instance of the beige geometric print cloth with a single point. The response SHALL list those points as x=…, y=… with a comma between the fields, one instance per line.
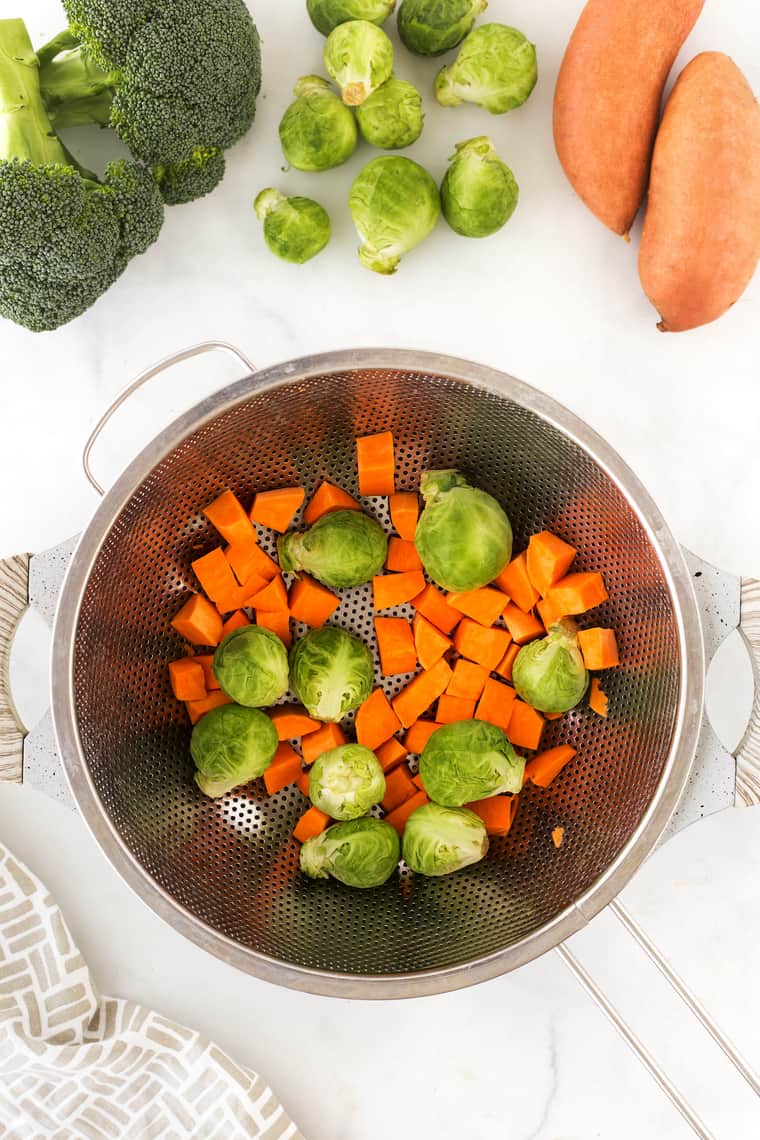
x=74, y=1064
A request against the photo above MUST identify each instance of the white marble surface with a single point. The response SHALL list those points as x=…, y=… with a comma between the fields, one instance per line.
x=555, y=300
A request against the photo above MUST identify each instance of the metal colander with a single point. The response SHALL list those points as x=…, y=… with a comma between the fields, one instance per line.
x=226, y=872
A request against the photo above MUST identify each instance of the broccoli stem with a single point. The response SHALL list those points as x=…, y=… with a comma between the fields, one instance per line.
x=25, y=128
x=75, y=90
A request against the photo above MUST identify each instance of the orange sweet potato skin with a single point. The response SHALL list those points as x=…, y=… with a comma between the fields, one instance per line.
x=701, y=240
x=607, y=99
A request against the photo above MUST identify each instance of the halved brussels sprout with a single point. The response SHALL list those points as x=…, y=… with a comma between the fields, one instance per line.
x=342, y=549
x=327, y=14
x=359, y=57
x=317, y=132
x=469, y=760
x=295, y=229
x=251, y=665
x=440, y=840
x=496, y=68
x=346, y=781
x=392, y=117
x=231, y=746
x=549, y=673
x=361, y=853
x=331, y=672
x=395, y=205
x=479, y=192
x=464, y=538
x=431, y=27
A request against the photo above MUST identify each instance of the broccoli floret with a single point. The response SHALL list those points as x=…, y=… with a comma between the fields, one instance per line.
x=64, y=236
x=192, y=178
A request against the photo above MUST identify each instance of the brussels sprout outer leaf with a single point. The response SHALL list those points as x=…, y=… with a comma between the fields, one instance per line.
x=496, y=68
x=469, y=760
x=395, y=204
x=440, y=840
x=231, y=746
x=549, y=674
x=346, y=781
x=251, y=665
x=464, y=538
x=342, y=549
x=360, y=853
x=479, y=193
x=392, y=117
x=331, y=672
x=432, y=29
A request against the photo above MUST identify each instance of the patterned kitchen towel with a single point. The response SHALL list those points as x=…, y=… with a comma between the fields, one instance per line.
x=75, y=1064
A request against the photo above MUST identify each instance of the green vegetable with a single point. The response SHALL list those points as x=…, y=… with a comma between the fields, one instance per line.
x=346, y=781
x=550, y=674
x=362, y=853
x=327, y=14
x=193, y=177
x=251, y=665
x=295, y=229
x=359, y=57
x=478, y=193
x=395, y=205
x=469, y=760
x=231, y=746
x=317, y=132
x=496, y=68
x=331, y=672
x=431, y=27
x=440, y=840
x=342, y=549
x=463, y=537
x=392, y=117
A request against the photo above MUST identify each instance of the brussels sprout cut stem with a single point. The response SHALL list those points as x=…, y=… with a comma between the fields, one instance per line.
x=496, y=68
x=346, y=781
x=431, y=27
x=440, y=840
x=295, y=229
x=363, y=853
x=359, y=57
x=479, y=193
x=342, y=549
x=464, y=538
x=327, y=14
x=550, y=674
x=317, y=132
x=395, y=205
x=469, y=760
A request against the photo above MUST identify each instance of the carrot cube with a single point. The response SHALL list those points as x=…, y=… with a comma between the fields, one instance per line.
x=495, y=706
x=311, y=603
x=376, y=463
x=497, y=813
x=197, y=709
x=198, y=622
x=277, y=622
x=484, y=605
x=237, y=620
x=429, y=643
x=396, y=589
x=313, y=822
x=273, y=597
x=515, y=582
x=226, y=514
x=398, y=788
x=405, y=511
x=523, y=627
x=326, y=738
x=599, y=648
x=544, y=766
x=328, y=498
x=421, y=692
x=395, y=644
x=206, y=662
x=398, y=817
x=291, y=721
x=187, y=679
x=525, y=725
x=467, y=680
x=376, y=721
x=577, y=593
x=214, y=573
x=549, y=612
x=548, y=560
x=284, y=769
x=277, y=509
x=391, y=753
x=434, y=607
x=451, y=709
x=504, y=668
x=402, y=555
x=476, y=643
x=418, y=734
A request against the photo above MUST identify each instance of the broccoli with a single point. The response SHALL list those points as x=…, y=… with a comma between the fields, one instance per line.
x=65, y=236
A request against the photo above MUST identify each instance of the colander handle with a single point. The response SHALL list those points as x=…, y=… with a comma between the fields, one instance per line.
x=14, y=602
x=748, y=756
x=149, y=374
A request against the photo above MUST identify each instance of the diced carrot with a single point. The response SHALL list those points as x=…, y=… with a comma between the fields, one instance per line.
x=577, y=593
x=558, y=835
x=599, y=648
x=405, y=511
x=553, y=716
x=310, y=602
x=478, y=643
x=273, y=598
x=504, y=668
x=430, y=644
x=598, y=700
x=278, y=622
x=248, y=559
x=187, y=679
x=198, y=622
x=302, y=783
x=284, y=769
x=291, y=721
x=421, y=692
x=197, y=709
x=484, y=605
x=544, y=766
x=523, y=627
x=549, y=612
x=495, y=706
x=237, y=620
x=262, y=565
x=417, y=779
x=497, y=813
x=206, y=662
x=326, y=498
x=395, y=644
x=376, y=463
x=467, y=680
x=376, y=721
x=515, y=582
x=226, y=514
x=326, y=738
x=313, y=822
x=277, y=509
x=396, y=589
x=451, y=709
x=214, y=573
x=391, y=753
x=525, y=725
x=402, y=555
x=398, y=817
x=418, y=734
x=548, y=559
x=435, y=609
x=398, y=788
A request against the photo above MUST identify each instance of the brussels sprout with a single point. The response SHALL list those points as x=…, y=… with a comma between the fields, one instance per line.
x=231, y=746
x=327, y=14
x=251, y=665
x=431, y=27
x=346, y=781
x=295, y=229
x=359, y=57
x=469, y=760
x=392, y=117
x=395, y=205
x=361, y=853
x=317, y=132
x=463, y=537
x=331, y=672
x=550, y=674
x=342, y=549
x=496, y=68
x=440, y=840
x=478, y=193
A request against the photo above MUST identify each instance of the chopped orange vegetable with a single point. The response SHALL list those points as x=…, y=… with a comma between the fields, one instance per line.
x=495, y=706
x=549, y=612
x=467, y=680
x=398, y=817
x=395, y=644
x=430, y=644
x=376, y=463
x=454, y=708
x=302, y=783
x=515, y=582
x=523, y=627
x=599, y=648
x=402, y=555
x=420, y=693
x=525, y=726
x=206, y=662
x=277, y=509
x=291, y=721
x=405, y=511
x=417, y=779
x=597, y=698
x=273, y=598
x=396, y=589
x=391, y=753
x=549, y=559
x=226, y=514
x=497, y=813
x=198, y=622
x=478, y=643
x=248, y=560
x=398, y=788
x=214, y=573
x=376, y=721
x=311, y=603
x=284, y=769
x=504, y=668
x=558, y=835
x=434, y=607
x=577, y=593
x=326, y=498
x=553, y=716
x=484, y=605
x=313, y=822
x=277, y=622
x=326, y=738
x=418, y=734
x=187, y=679
x=544, y=766
x=237, y=620
x=197, y=709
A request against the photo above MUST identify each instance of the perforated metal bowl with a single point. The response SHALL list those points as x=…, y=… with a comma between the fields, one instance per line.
x=225, y=872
